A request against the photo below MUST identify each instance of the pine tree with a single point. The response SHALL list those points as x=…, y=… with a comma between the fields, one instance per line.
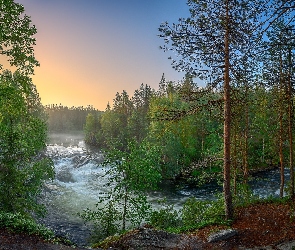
x=211, y=43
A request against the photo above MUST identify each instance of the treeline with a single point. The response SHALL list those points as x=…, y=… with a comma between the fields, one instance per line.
x=186, y=123
x=62, y=118
x=126, y=119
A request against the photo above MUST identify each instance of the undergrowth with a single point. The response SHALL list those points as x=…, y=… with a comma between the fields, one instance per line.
x=197, y=214
x=20, y=223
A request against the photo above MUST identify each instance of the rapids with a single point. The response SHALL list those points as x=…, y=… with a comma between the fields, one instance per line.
x=80, y=178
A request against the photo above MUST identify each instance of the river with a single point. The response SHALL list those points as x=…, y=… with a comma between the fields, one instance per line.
x=80, y=178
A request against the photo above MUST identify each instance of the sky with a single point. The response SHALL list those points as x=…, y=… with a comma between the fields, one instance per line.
x=91, y=49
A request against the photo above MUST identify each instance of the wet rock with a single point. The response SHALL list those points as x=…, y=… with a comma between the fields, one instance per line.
x=222, y=235
x=65, y=176
x=50, y=187
x=149, y=239
x=287, y=245
x=75, y=159
x=79, y=161
x=77, y=232
x=99, y=158
x=83, y=162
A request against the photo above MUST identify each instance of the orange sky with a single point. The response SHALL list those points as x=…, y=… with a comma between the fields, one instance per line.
x=89, y=50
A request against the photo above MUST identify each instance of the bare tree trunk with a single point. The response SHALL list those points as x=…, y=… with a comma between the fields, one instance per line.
x=263, y=149
x=281, y=157
x=124, y=215
x=246, y=134
x=281, y=132
x=290, y=125
x=125, y=200
x=235, y=167
x=227, y=122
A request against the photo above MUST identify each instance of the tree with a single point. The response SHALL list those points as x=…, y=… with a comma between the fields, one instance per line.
x=91, y=129
x=23, y=136
x=132, y=173
x=23, y=168
x=211, y=43
x=17, y=37
x=278, y=71
x=138, y=121
x=177, y=139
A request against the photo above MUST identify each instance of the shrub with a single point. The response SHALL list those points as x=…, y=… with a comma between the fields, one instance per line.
x=20, y=223
x=244, y=196
x=165, y=218
x=196, y=213
x=105, y=221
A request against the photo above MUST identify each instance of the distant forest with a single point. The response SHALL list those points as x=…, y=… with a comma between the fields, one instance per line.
x=62, y=118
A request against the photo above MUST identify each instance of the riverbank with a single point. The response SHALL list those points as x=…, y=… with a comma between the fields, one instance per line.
x=258, y=226
x=24, y=241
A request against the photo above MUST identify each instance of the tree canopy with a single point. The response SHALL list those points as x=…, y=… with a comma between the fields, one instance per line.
x=23, y=167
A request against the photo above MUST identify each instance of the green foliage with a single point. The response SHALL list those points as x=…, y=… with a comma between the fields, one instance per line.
x=113, y=129
x=63, y=119
x=18, y=223
x=107, y=242
x=177, y=139
x=23, y=132
x=193, y=215
x=244, y=196
x=196, y=213
x=92, y=130
x=17, y=37
x=23, y=136
x=273, y=199
x=105, y=219
x=165, y=217
x=131, y=174
x=191, y=145
x=137, y=167
x=125, y=121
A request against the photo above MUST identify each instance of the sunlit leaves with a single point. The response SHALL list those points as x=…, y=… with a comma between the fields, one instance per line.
x=22, y=129
x=17, y=37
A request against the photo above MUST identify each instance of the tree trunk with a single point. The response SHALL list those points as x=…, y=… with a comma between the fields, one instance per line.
x=235, y=161
x=124, y=210
x=290, y=109
x=227, y=123
x=246, y=135
x=281, y=157
x=281, y=132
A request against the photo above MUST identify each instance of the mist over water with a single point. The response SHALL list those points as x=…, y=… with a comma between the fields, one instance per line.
x=80, y=179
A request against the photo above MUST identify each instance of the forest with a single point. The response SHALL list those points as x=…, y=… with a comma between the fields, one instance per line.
x=64, y=119
x=231, y=116
x=185, y=122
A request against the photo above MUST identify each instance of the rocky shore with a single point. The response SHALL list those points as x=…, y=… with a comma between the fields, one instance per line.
x=261, y=226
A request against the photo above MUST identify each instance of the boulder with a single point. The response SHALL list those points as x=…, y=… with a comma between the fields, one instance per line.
x=151, y=239
x=221, y=235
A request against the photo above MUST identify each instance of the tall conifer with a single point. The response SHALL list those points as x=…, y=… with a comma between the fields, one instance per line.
x=210, y=44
